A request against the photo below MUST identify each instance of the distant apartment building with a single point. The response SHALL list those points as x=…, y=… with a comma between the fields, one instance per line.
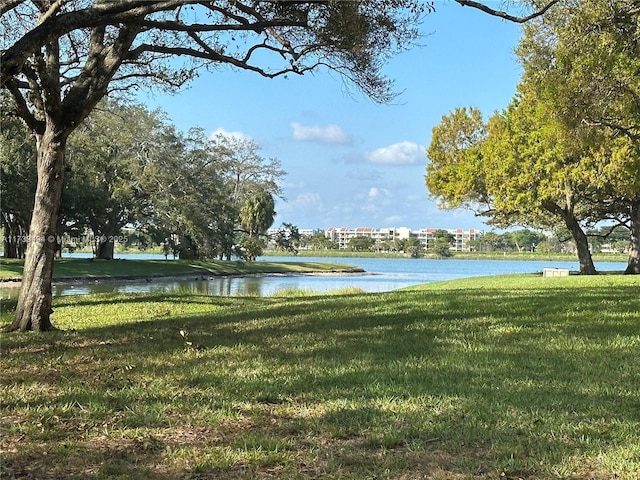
x=461, y=237
x=343, y=235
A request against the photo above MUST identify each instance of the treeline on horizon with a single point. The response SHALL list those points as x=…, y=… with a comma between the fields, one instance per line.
x=129, y=167
x=602, y=240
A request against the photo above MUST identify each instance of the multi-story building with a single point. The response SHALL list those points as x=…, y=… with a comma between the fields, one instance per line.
x=460, y=237
x=341, y=236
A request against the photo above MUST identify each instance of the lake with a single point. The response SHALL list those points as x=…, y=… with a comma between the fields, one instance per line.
x=382, y=275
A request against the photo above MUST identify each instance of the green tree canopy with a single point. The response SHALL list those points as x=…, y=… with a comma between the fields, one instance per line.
x=412, y=247
x=59, y=59
x=256, y=216
x=103, y=189
x=565, y=151
x=361, y=244
x=454, y=172
x=442, y=243
x=17, y=180
x=583, y=58
x=257, y=213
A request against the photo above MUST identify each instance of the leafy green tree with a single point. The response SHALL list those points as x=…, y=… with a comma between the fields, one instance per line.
x=361, y=244
x=248, y=172
x=319, y=241
x=189, y=196
x=455, y=170
x=287, y=238
x=102, y=192
x=538, y=172
x=59, y=59
x=251, y=179
x=249, y=248
x=442, y=243
x=17, y=181
x=412, y=247
x=519, y=168
x=137, y=239
x=206, y=195
x=385, y=245
x=256, y=216
x=583, y=59
x=488, y=242
x=525, y=239
x=498, y=241
x=567, y=148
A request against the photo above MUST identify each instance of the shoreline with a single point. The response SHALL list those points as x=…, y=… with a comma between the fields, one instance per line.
x=205, y=276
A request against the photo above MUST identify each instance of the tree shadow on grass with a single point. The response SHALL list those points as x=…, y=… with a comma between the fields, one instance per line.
x=493, y=383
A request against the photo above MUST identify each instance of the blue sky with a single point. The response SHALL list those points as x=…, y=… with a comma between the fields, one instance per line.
x=351, y=162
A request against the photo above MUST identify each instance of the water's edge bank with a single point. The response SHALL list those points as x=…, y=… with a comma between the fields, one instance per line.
x=205, y=275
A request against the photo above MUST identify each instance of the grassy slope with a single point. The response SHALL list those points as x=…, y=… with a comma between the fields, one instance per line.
x=81, y=268
x=502, y=377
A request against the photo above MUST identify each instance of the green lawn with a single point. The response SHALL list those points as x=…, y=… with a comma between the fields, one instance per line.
x=86, y=268
x=490, y=378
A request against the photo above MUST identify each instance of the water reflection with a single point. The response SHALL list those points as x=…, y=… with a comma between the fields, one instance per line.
x=382, y=275
x=222, y=286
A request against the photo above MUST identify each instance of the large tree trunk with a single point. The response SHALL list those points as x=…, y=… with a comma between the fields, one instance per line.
x=582, y=244
x=633, y=265
x=104, y=248
x=188, y=248
x=34, y=303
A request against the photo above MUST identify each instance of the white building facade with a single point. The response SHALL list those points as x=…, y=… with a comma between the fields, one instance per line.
x=343, y=235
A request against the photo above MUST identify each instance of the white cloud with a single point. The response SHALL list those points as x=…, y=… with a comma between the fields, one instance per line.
x=328, y=134
x=402, y=153
x=307, y=200
x=375, y=199
x=229, y=134
x=379, y=193
x=394, y=220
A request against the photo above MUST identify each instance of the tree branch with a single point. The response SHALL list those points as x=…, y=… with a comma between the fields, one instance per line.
x=22, y=108
x=101, y=66
x=52, y=10
x=7, y=5
x=498, y=13
x=610, y=230
x=102, y=14
x=245, y=26
x=630, y=132
x=209, y=55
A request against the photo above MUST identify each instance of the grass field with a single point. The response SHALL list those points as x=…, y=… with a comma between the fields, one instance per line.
x=67, y=268
x=492, y=378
